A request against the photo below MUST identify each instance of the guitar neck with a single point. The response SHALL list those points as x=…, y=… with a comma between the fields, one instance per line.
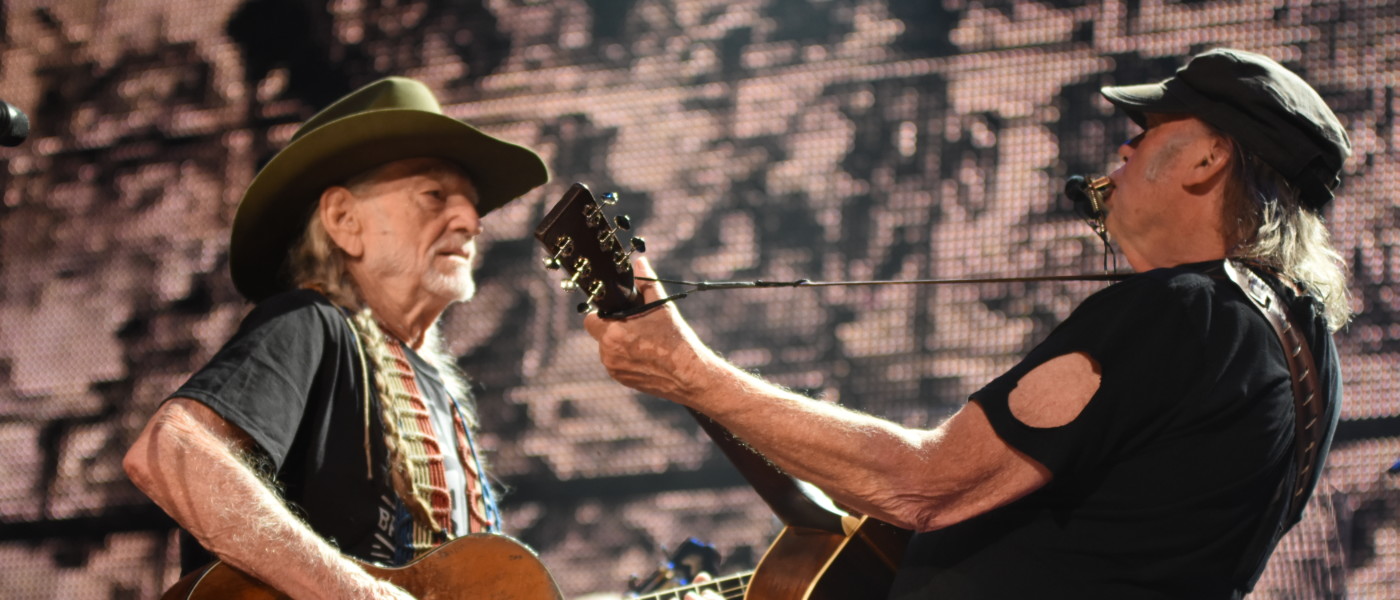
x=731, y=587
x=777, y=489
x=581, y=241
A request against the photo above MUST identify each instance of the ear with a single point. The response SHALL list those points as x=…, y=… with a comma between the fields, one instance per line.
x=340, y=216
x=1215, y=154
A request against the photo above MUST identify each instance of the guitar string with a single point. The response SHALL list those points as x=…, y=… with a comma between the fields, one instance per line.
x=679, y=593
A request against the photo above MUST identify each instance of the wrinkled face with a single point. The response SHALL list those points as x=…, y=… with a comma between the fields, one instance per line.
x=421, y=225
x=1145, y=207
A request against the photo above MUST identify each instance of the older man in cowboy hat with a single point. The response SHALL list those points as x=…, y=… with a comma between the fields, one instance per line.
x=1147, y=448
x=352, y=241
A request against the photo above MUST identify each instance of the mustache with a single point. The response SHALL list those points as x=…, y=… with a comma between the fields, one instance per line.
x=455, y=243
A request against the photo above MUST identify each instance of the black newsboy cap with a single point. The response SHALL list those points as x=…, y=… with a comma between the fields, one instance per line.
x=1268, y=109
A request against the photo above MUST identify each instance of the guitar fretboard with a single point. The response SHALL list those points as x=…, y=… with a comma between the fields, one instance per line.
x=731, y=587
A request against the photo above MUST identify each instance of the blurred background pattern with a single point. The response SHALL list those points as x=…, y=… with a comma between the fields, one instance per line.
x=749, y=139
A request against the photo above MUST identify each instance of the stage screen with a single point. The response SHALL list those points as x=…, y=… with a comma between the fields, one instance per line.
x=777, y=140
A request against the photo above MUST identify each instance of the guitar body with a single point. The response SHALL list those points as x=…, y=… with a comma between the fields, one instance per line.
x=812, y=564
x=479, y=566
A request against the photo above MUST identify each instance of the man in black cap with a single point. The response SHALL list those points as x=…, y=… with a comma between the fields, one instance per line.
x=353, y=240
x=1147, y=448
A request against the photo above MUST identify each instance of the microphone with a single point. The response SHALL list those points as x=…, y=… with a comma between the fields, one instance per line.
x=14, y=125
x=1087, y=194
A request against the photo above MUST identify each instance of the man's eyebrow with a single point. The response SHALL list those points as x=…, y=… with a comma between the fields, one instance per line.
x=439, y=172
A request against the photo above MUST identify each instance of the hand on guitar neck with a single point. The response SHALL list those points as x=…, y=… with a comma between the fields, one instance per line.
x=818, y=556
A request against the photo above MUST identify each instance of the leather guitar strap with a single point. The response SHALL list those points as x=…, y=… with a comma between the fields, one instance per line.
x=1309, y=426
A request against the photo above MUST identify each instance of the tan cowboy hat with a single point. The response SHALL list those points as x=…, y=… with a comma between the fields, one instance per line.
x=388, y=120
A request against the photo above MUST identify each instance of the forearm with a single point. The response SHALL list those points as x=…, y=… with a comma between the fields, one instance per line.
x=869, y=464
x=203, y=484
x=920, y=479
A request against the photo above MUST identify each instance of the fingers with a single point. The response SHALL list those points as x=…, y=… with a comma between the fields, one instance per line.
x=594, y=325
x=651, y=290
x=703, y=577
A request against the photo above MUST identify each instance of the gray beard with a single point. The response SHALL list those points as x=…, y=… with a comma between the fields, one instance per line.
x=460, y=287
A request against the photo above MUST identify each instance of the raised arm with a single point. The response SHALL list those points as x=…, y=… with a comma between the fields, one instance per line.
x=918, y=479
x=190, y=461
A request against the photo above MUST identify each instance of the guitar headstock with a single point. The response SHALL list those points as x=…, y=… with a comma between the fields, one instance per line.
x=580, y=240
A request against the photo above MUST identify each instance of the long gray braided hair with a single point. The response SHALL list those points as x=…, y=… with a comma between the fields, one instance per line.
x=317, y=262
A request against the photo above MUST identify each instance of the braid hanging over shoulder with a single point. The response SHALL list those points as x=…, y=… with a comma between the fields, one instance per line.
x=414, y=458
x=405, y=450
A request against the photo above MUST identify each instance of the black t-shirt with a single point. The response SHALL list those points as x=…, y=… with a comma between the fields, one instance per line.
x=1162, y=479
x=291, y=379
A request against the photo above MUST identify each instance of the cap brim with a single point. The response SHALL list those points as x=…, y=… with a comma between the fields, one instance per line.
x=1138, y=100
x=278, y=202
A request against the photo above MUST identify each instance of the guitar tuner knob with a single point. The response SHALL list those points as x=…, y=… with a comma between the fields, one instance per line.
x=552, y=264
x=609, y=198
x=564, y=246
x=639, y=244
x=623, y=222
x=582, y=269
x=582, y=307
x=593, y=215
x=568, y=285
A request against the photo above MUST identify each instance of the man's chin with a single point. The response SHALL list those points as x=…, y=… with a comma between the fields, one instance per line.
x=454, y=288
x=464, y=293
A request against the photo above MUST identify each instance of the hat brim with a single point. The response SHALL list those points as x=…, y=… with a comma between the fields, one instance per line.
x=279, y=200
x=1138, y=100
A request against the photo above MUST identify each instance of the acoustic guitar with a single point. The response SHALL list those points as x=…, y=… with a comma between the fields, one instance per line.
x=801, y=564
x=820, y=554
x=475, y=566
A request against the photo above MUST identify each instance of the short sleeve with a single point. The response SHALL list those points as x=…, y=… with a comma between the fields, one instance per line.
x=261, y=379
x=1145, y=337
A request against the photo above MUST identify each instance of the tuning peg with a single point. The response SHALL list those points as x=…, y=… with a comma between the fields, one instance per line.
x=564, y=246
x=609, y=198
x=568, y=285
x=623, y=222
x=593, y=215
x=583, y=268
x=582, y=307
x=639, y=244
x=595, y=290
x=607, y=239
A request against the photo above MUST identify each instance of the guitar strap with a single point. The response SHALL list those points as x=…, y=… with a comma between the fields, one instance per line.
x=1310, y=431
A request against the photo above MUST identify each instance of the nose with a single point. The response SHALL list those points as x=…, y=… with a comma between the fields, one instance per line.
x=463, y=215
